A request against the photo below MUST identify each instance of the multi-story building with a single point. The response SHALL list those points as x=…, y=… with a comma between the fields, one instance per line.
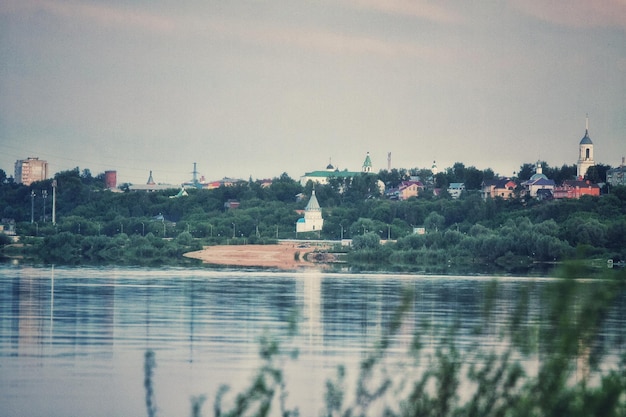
x=30, y=170
x=405, y=190
x=503, y=188
x=617, y=176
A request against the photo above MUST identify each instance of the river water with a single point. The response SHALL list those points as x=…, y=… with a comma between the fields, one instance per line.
x=73, y=340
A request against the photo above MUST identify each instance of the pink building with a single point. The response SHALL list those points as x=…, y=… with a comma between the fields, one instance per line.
x=576, y=189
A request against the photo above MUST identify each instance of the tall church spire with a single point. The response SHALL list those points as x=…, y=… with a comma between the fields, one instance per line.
x=585, y=152
x=367, y=164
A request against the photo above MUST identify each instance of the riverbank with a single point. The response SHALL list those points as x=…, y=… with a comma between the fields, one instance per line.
x=286, y=255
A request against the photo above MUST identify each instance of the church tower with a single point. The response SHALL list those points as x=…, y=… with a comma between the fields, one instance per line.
x=585, y=153
x=367, y=164
x=434, y=169
x=312, y=220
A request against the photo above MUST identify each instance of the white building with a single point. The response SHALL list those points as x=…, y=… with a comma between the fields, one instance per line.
x=617, y=176
x=312, y=220
x=323, y=177
x=539, y=184
x=585, y=153
x=30, y=170
x=455, y=189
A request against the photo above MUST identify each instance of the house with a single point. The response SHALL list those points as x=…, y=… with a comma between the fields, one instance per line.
x=405, y=190
x=312, y=220
x=538, y=182
x=455, y=189
x=576, y=189
x=503, y=188
x=224, y=182
x=615, y=176
x=231, y=205
x=532, y=187
x=265, y=183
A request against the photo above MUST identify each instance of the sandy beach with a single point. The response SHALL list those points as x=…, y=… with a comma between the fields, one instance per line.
x=281, y=256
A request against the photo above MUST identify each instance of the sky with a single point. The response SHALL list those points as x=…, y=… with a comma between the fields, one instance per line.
x=257, y=88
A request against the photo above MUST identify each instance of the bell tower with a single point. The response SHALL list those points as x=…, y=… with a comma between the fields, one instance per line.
x=585, y=153
x=367, y=164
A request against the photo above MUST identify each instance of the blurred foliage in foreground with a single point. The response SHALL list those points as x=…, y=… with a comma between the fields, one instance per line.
x=575, y=370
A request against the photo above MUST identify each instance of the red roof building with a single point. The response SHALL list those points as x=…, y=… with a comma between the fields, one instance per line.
x=576, y=189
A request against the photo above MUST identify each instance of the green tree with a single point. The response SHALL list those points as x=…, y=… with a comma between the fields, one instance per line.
x=394, y=177
x=526, y=171
x=597, y=173
x=473, y=178
x=369, y=240
x=434, y=222
x=284, y=188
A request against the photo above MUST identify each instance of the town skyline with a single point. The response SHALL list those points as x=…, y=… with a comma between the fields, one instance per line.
x=152, y=176
x=254, y=90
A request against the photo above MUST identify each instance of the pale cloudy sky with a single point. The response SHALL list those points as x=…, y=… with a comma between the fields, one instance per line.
x=257, y=88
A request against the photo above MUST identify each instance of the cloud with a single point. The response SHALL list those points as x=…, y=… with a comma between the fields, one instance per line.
x=248, y=30
x=90, y=13
x=321, y=40
x=416, y=8
x=576, y=13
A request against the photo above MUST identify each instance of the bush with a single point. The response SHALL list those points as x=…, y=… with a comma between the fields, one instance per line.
x=5, y=240
x=368, y=240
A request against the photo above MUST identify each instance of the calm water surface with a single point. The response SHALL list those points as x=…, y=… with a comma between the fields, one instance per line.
x=72, y=340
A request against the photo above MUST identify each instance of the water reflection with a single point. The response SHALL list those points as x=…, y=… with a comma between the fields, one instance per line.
x=72, y=339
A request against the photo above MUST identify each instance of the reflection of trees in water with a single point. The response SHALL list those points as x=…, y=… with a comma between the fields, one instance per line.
x=562, y=334
x=76, y=312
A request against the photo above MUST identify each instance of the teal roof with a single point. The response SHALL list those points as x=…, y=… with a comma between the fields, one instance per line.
x=368, y=161
x=331, y=174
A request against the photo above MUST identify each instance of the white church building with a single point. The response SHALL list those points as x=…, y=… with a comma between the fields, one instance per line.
x=312, y=220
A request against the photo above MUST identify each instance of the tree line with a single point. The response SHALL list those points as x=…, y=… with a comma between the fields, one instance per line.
x=466, y=232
